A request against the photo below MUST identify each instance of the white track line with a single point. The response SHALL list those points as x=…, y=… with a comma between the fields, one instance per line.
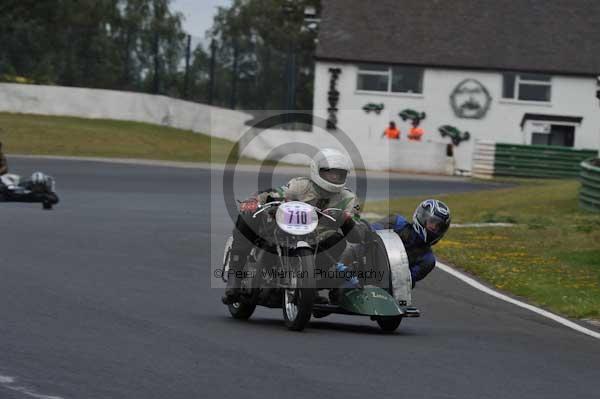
x=9, y=383
x=467, y=225
x=477, y=285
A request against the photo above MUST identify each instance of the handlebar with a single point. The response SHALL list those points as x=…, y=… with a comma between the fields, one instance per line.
x=271, y=204
x=266, y=206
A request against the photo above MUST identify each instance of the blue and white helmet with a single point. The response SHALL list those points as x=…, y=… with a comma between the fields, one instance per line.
x=431, y=220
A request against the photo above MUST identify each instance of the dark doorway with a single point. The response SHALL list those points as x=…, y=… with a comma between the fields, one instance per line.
x=560, y=135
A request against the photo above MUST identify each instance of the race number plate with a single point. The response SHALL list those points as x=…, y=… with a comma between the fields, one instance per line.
x=296, y=217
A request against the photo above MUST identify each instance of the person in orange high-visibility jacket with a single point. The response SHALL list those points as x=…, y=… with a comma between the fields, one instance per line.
x=391, y=132
x=415, y=133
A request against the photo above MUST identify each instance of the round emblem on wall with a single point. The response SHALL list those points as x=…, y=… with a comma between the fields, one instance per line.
x=470, y=99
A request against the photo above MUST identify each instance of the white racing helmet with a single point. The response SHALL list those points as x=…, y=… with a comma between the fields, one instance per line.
x=41, y=181
x=329, y=168
x=38, y=178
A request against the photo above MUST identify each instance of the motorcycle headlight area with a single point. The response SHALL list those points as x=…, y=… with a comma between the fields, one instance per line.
x=297, y=218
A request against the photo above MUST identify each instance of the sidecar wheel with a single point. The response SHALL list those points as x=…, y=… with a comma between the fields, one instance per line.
x=298, y=302
x=241, y=310
x=390, y=323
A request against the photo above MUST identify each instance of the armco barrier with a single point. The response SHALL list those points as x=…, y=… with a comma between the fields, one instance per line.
x=589, y=195
x=527, y=160
x=538, y=161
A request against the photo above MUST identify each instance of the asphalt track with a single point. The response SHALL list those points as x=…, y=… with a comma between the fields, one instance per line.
x=108, y=296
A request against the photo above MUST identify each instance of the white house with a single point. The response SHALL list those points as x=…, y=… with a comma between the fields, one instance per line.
x=509, y=71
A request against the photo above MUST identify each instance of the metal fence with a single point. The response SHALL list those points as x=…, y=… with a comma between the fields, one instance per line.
x=216, y=72
x=139, y=60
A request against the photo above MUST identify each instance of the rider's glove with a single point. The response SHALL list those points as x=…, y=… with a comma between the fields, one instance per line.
x=249, y=206
x=340, y=216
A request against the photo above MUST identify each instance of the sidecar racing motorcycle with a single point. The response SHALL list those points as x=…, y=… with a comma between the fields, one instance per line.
x=39, y=188
x=287, y=275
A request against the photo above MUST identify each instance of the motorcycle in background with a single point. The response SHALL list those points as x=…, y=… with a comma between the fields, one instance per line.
x=39, y=188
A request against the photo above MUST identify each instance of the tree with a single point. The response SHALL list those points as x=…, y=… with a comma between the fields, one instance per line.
x=112, y=44
x=140, y=45
x=256, y=38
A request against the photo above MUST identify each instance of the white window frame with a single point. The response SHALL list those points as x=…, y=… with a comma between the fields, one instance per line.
x=519, y=81
x=387, y=73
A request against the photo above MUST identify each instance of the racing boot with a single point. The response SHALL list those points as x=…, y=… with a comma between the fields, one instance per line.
x=234, y=280
x=49, y=200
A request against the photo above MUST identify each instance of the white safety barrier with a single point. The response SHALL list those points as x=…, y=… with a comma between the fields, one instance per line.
x=378, y=154
x=483, y=159
x=122, y=105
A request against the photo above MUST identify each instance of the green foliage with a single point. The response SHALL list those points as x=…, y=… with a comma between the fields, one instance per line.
x=91, y=43
x=139, y=45
x=254, y=38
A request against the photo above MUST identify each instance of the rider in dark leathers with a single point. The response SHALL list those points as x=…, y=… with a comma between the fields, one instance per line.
x=38, y=188
x=430, y=222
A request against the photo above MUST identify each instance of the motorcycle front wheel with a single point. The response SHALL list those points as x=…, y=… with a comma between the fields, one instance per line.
x=298, y=299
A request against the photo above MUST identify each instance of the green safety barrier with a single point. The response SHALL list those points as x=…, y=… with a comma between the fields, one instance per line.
x=538, y=161
x=589, y=195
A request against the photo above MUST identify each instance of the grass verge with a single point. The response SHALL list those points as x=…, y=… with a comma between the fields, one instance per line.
x=69, y=136
x=551, y=256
